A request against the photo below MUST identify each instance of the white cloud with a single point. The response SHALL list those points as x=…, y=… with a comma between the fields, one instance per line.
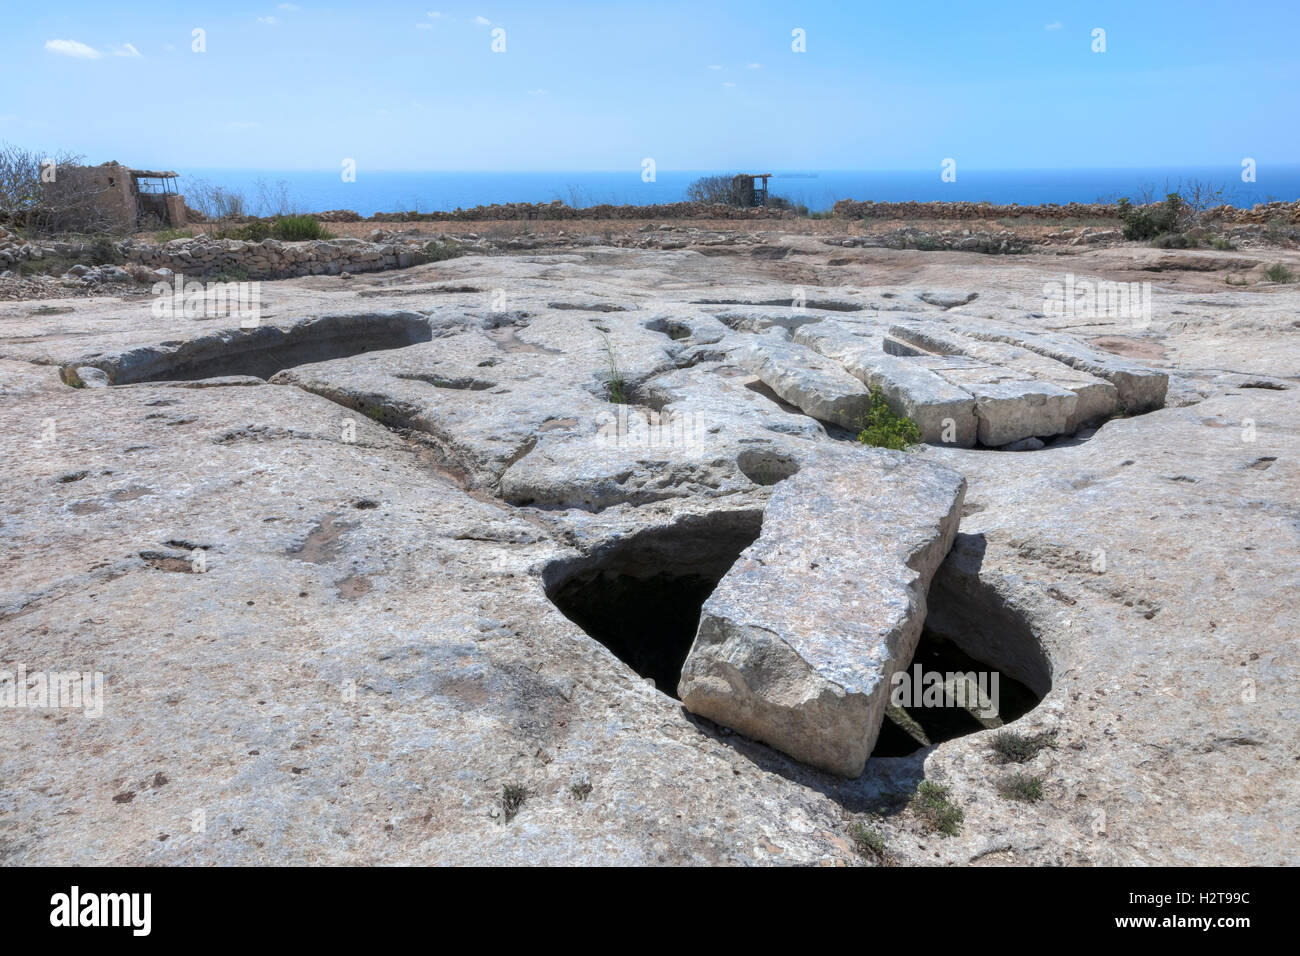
x=269, y=21
x=424, y=26
x=714, y=66
x=1054, y=25
x=753, y=66
x=289, y=7
x=536, y=92
x=483, y=21
x=248, y=125
x=72, y=48
x=728, y=85
x=433, y=14
x=168, y=47
x=126, y=49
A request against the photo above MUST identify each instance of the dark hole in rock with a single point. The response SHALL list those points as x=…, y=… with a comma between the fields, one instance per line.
x=641, y=596
x=672, y=328
x=763, y=466
x=263, y=351
x=970, y=628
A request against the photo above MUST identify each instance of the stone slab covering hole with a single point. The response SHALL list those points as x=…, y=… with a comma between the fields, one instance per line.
x=641, y=595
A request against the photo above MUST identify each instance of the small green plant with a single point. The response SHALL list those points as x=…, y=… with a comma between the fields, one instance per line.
x=1173, y=240
x=1222, y=243
x=1011, y=747
x=883, y=429
x=1279, y=273
x=935, y=811
x=232, y=274
x=437, y=251
x=580, y=791
x=1022, y=787
x=298, y=229
x=513, y=796
x=868, y=842
x=1228, y=280
x=167, y=235
x=615, y=384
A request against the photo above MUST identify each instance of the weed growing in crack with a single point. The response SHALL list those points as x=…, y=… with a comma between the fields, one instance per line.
x=1022, y=787
x=513, y=796
x=935, y=811
x=1011, y=747
x=883, y=429
x=868, y=842
x=616, y=384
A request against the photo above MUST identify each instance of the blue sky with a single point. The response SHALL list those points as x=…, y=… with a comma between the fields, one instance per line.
x=600, y=86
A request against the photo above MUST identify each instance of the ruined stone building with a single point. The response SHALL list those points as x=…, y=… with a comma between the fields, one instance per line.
x=116, y=195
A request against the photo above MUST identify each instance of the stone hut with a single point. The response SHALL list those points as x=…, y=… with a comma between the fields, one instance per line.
x=117, y=195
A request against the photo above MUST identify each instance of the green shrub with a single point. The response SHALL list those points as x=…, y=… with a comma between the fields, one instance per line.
x=437, y=251
x=1147, y=222
x=1279, y=273
x=1222, y=243
x=884, y=429
x=298, y=228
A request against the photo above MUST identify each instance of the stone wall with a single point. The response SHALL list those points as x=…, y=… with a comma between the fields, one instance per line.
x=272, y=259
x=853, y=209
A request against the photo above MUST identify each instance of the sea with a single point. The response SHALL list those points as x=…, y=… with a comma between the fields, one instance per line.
x=318, y=190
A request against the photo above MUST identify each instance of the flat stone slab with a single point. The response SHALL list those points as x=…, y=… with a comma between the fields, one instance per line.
x=1096, y=398
x=1140, y=389
x=797, y=645
x=1009, y=405
x=810, y=382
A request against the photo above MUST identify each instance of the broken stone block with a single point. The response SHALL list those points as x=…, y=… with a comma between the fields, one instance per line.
x=797, y=644
x=944, y=413
x=812, y=383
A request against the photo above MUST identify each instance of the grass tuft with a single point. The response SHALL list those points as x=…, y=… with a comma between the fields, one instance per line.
x=580, y=791
x=1022, y=787
x=513, y=796
x=868, y=842
x=935, y=811
x=1011, y=747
